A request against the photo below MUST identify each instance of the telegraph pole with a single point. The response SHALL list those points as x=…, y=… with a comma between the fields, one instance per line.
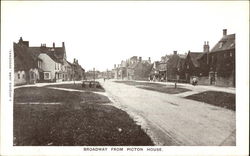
x=94, y=74
x=74, y=73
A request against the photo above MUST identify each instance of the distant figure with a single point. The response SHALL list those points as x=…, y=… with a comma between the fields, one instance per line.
x=90, y=84
x=104, y=79
x=194, y=81
x=83, y=84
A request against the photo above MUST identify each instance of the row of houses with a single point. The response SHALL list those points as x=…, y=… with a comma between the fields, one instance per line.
x=210, y=67
x=43, y=64
x=133, y=68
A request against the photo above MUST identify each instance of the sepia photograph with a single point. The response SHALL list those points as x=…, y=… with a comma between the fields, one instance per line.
x=125, y=77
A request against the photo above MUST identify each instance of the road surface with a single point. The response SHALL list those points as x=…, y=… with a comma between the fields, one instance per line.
x=173, y=120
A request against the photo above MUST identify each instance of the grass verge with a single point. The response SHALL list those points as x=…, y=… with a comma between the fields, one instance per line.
x=169, y=89
x=78, y=86
x=221, y=99
x=81, y=119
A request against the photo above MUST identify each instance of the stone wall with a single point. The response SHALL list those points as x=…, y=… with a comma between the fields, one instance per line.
x=220, y=81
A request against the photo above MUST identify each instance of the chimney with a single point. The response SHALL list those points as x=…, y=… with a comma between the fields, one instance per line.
x=53, y=44
x=139, y=59
x=74, y=60
x=43, y=45
x=63, y=44
x=115, y=66
x=175, y=52
x=149, y=59
x=20, y=40
x=224, y=32
x=206, y=47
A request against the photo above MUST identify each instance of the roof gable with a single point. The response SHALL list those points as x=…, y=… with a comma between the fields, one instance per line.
x=173, y=61
x=227, y=42
x=194, y=56
x=23, y=59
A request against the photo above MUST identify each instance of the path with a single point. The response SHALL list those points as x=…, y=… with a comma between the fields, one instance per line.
x=175, y=120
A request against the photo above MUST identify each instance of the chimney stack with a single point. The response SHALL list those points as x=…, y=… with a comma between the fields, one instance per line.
x=53, y=44
x=139, y=59
x=175, y=52
x=63, y=44
x=206, y=47
x=224, y=32
x=149, y=59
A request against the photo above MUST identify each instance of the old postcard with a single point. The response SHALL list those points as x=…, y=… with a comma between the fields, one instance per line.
x=124, y=78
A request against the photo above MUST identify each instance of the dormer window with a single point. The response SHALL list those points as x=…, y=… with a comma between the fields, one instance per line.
x=221, y=44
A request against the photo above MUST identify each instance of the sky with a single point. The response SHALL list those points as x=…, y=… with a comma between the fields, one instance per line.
x=101, y=34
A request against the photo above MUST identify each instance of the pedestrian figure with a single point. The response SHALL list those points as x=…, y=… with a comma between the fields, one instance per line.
x=104, y=79
x=90, y=84
x=194, y=81
x=83, y=84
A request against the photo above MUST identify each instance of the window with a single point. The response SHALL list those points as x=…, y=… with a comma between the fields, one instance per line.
x=23, y=76
x=32, y=75
x=221, y=44
x=225, y=55
x=39, y=64
x=46, y=75
x=231, y=54
x=18, y=76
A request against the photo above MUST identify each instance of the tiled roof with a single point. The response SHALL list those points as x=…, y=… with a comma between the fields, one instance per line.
x=134, y=58
x=194, y=58
x=173, y=61
x=133, y=65
x=23, y=59
x=160, y=66
x=56, y=54
x=227, y=42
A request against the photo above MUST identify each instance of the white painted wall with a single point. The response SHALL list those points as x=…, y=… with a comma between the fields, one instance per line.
x=21, y=80
x=49, y=65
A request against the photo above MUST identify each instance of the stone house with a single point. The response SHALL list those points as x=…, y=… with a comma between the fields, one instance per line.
x=192, y=65
x=53, y=59
x=51, y=68
x=138, y=69
x=175, y=65
x=159, y=71
x=78, y=71
x=26, y=68
x=46, y=63
x=67, y=71
x=218, y=65
x=115, y=72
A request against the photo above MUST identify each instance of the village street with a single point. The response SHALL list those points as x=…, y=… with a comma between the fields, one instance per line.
x=173, y=120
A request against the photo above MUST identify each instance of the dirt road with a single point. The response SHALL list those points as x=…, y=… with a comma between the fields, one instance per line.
x=173, y=120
